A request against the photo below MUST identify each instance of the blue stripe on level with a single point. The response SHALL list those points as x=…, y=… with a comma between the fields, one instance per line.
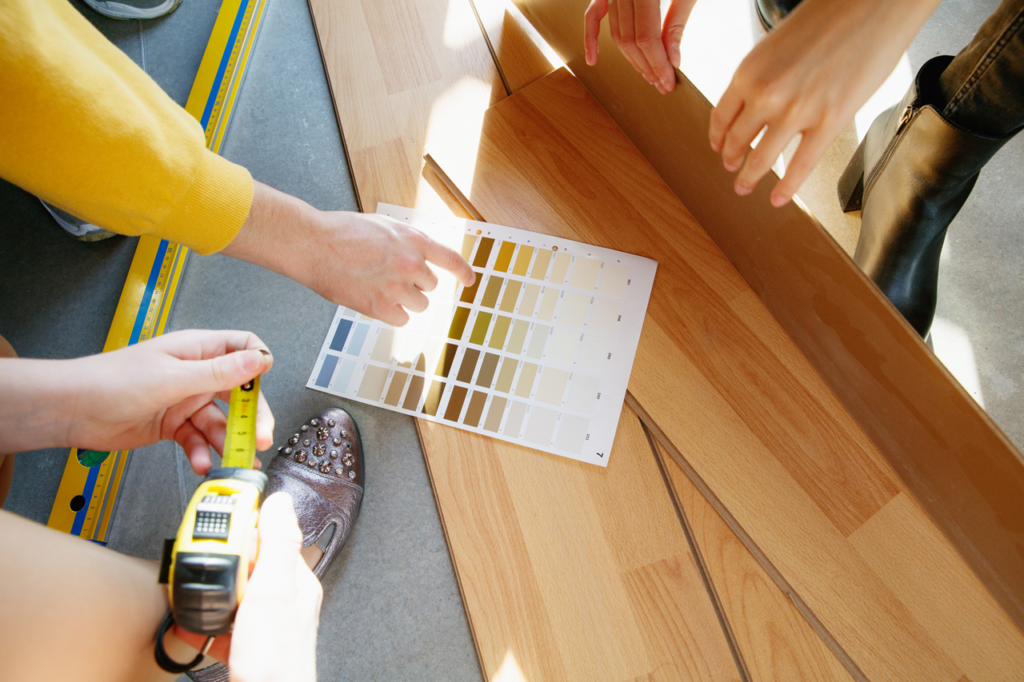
x=154, y=274
x=225, y=58
x=90, y=485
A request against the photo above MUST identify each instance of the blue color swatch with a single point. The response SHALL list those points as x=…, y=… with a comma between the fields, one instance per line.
x=340, y=334
x=356, y=347
x=327, y=371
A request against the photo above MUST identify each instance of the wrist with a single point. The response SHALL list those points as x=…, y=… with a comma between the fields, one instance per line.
x=277, y=233
x=37, y=403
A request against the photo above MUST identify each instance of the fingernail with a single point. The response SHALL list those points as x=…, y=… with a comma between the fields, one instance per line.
x=715, y=147
x=742, y=190
x=667, y=85
x=778, y=200
x=730, y=166
x=250, y=361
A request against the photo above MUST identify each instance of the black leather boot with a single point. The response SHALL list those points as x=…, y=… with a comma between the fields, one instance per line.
x=771, y=12
x=910, y=176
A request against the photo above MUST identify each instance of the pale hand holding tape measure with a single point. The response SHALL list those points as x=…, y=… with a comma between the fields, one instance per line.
x=207, y=564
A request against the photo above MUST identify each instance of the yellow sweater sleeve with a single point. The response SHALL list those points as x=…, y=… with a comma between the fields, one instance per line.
x=87, y=130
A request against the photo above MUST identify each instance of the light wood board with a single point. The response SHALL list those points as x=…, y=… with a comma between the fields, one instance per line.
x=570, y=571
x=729, y=391
x=776, y=642
x=402, y=74
x=520, y=54
x=946, y=449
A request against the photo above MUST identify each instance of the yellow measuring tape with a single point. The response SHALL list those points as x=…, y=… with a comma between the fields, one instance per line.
x=91, y=484
x=240, y=440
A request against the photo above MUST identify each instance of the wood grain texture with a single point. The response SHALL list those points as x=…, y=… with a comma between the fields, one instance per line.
x=776, y=642
x=518, y=49
x=402, y=74
x=716, y=372
x=568, y=571
x=574, y=571
x=950, y=454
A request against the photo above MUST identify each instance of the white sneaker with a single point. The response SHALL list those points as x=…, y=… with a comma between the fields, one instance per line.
x=133, y=9
x=76, y=227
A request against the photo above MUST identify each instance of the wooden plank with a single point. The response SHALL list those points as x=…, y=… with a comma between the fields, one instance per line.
x=717, y=374
x=403, y=74
x=950, y=454
x=521, y=54
x=570, y=571
x=776, y=642
x=939, y=588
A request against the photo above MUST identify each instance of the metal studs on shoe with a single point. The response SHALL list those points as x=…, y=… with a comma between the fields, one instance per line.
x=324, y=447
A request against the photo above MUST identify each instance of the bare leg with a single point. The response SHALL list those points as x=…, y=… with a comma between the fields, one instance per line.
x=73, y=610
x=6, y=460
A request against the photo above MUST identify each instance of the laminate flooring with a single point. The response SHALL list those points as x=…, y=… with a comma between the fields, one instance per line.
x=730, y=395
x=570, y=572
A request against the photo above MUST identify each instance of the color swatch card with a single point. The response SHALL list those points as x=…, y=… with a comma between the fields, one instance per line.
x=538, y=351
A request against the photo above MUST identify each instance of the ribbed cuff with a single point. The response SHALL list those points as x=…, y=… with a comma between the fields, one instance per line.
x=213, y=209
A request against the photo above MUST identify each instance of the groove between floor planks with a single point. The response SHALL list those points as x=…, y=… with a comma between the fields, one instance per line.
x=763, y=430
x=557, y=580
x=578, y=572
x=773, y=637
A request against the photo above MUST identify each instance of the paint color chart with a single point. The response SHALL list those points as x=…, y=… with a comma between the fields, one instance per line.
x=538, y=351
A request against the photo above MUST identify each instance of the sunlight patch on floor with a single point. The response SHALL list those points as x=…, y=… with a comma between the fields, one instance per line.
x=953, y=347
x=509, y=670
x=889, y=94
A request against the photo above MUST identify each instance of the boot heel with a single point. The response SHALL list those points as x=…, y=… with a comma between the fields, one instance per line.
x=851, y=182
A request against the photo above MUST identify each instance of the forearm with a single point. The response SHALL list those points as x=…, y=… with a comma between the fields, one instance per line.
x=89, y=131
x=276, y=234
x=36, y=402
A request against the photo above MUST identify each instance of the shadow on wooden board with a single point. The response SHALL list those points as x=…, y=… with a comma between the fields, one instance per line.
x=955, y=460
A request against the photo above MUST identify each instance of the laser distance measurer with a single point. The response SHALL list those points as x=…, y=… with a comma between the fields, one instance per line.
x=207, y=564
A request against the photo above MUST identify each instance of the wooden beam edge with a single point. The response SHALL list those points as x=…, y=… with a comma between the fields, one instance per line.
x=453, y=188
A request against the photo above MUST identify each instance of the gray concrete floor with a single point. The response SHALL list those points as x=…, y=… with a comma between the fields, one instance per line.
x=981, y=280
x=391, y=610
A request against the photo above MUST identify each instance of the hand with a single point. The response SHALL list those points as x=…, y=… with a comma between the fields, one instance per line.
x=378, y=265
x=371, y=263
x=160, y=389
x=808, y=78
x=275, y=629
x=636, y=26
x=274, y=639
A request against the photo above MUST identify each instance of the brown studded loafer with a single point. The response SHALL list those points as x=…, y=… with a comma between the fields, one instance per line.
x=321, y=467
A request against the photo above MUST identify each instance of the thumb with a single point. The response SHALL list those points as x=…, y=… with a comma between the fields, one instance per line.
x=672, y=30
x=227, y=371
x=280, y=540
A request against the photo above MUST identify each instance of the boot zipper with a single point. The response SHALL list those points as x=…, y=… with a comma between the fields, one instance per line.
x=908, y=114
x=905, y=118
